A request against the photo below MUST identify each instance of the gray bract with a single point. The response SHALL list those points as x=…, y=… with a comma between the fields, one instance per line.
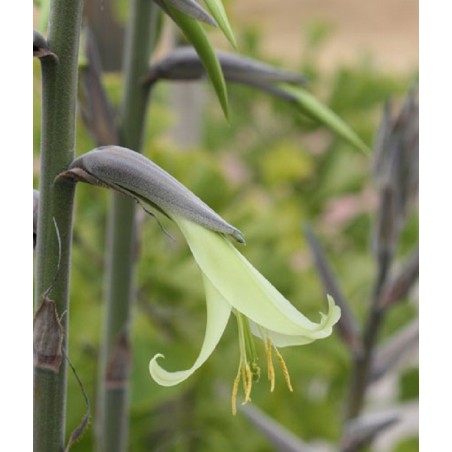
x=183, y=63
x=133, y=174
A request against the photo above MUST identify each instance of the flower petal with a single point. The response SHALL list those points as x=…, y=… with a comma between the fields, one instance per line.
x=247, y=290
x=286, y=340
x=218, y=312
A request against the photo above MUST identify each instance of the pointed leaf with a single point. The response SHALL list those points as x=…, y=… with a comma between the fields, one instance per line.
x=198, y=37
x=318, y=111
x=217, y=10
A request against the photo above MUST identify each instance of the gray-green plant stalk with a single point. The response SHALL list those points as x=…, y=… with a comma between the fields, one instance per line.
x=54, y=232
x=112, y=423
x=396, y=177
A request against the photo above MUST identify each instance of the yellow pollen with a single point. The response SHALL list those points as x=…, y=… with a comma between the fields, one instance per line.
x=247, y=383
x=282, y=363
x=247, y=375
x=243, y=372
x=249, y=370
x=235, y=389
x=270, y=367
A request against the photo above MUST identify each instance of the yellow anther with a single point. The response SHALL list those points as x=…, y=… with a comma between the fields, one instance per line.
x=270, y=367
x=249, y=370
x=247, y=375
x=249, y=383
x=282, y=363
x=243, y=372
x=235, y=389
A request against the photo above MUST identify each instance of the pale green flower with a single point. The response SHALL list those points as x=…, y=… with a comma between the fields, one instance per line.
x=231, y=283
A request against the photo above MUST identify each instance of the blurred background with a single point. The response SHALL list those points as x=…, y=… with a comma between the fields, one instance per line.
x=387, y=31
x=269, y=172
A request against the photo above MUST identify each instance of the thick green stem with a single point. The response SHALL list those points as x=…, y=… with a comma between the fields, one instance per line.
x=54, y=235
x=140, y=41
x=112, y=427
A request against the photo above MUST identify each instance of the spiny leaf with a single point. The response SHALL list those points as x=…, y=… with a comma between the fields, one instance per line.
x=198, y=37
x=318, y=111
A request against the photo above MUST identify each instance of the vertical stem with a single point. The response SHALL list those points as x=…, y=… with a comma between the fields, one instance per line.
x=363, y=362
x=140, y=41
x=59, y=94
x=112, y=427
x=385, y=240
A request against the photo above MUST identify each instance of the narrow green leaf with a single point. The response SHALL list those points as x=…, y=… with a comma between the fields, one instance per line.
x=218, y=12
x=311, y=106
x=198, y=38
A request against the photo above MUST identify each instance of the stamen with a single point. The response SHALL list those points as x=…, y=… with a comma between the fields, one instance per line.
x=235, y=389
x=248, y=384
x=282, y=363
x=249, y=340
x=270, y=367
x=249, y=370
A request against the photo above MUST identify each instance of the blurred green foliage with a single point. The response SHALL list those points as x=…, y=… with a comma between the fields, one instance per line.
x=268, y=172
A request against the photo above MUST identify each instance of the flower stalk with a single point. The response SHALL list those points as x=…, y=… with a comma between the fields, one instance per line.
x=396, y=178
x=54, y=231
x=112, y=429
